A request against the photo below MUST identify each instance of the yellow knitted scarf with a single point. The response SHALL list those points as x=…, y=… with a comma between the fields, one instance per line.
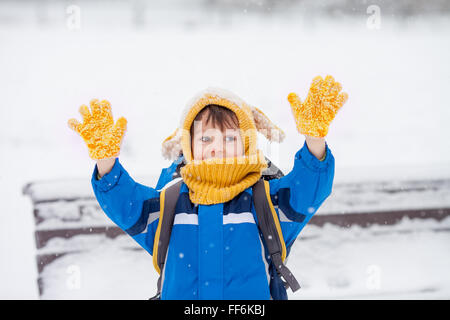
x=218, y=180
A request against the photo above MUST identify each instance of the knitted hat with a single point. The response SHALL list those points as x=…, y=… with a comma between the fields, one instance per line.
x=251, y=120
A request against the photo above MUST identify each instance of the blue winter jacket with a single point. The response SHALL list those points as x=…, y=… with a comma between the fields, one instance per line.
x=215, y=251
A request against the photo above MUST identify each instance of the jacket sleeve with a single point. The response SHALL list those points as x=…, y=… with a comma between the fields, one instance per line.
x=132, y=206
x=298, y=195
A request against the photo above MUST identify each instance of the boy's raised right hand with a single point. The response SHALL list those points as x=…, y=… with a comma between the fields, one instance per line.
x=102, y=137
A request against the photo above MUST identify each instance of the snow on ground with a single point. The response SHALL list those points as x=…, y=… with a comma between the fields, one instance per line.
x=393, y=126
x=352, y=263
x=329, y=262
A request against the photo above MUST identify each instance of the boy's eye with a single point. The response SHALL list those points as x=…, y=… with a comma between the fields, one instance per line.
x=205, y=139
x=230, y=138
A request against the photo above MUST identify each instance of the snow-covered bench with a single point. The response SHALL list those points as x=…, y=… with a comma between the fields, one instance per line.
x=68, y=219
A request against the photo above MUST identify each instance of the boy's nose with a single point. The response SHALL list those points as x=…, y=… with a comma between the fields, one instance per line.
x=216, y=154
x=215, y=150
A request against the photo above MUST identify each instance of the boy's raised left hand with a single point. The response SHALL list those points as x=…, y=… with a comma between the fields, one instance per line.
x=314, y=115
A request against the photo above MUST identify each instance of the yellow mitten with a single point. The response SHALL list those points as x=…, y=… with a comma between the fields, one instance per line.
x=98, y=131
x=315, y=114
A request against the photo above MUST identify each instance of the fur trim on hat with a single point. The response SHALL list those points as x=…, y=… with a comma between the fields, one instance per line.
x=267, y=127
x=171, y=146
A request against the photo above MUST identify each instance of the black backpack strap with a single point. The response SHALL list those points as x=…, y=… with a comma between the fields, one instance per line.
x=266, y=215
x=168, y=201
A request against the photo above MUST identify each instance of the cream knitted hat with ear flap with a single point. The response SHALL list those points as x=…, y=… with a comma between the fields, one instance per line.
x=251, y=119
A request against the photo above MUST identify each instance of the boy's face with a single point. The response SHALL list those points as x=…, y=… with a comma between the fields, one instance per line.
x=210, y=142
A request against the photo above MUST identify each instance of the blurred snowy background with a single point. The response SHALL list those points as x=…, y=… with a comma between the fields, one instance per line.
x=149, y=57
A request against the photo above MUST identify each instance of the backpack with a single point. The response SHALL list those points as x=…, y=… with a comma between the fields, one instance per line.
x=268, y=225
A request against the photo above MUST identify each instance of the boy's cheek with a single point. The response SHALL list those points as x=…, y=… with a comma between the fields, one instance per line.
x=238, y=149
x=232, y=151
x=196, y=153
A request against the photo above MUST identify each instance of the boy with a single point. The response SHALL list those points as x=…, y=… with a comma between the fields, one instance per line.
x=215, y=249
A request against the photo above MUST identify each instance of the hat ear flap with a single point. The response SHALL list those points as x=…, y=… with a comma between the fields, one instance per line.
x=171, y=146
x=267, y=127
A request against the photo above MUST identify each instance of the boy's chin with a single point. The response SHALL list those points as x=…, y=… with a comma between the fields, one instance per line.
x=215, y=159
x=220, y=157
x=210, y=158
